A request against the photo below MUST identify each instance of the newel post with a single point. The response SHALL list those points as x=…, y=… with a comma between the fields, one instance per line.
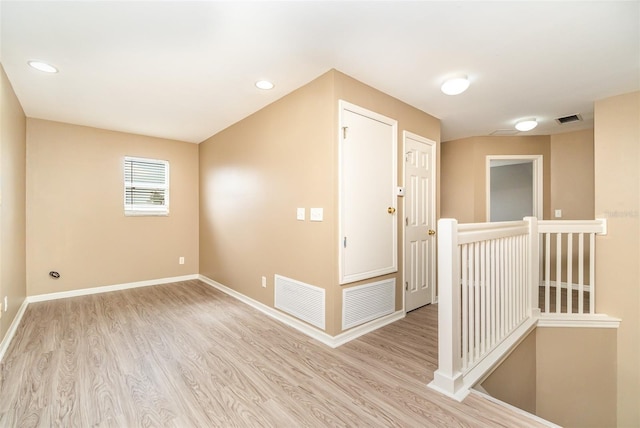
x=534, y=265
x=448, y=378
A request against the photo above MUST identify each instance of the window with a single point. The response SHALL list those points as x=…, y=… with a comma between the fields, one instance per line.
x=146, y=186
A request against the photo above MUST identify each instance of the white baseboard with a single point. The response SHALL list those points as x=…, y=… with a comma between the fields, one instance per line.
x=4, y=345
x=108, y=288
x=331, y=341
x=484, y=394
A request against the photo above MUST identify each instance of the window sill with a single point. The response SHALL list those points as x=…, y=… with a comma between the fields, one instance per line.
x=146, y=214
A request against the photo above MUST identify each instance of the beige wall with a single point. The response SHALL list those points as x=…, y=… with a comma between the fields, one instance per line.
x=514, y=380
x=463, y=187
x=568, y=173
x=576, y=376
x=617, y=194
x=456, y=184
x=12, y=202
x=572, y=182
x=564, y=375
x=254, y=174
x=75, y=219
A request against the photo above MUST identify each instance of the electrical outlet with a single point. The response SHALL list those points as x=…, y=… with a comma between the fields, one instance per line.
x=264, y=282
x=181, y=260
x=558, y=213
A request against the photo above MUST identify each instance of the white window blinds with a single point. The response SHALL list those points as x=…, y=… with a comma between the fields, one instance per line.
x=146, y=186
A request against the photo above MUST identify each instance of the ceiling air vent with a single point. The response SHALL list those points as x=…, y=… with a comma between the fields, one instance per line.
x=569, y=119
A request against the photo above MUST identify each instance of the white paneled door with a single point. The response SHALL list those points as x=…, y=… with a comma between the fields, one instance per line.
x=420, y=222
x=368, y=201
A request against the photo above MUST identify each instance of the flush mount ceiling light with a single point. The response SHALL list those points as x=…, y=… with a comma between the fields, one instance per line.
x=42, y=66
x=264, y=84
x=455, y=85
x=526, y=125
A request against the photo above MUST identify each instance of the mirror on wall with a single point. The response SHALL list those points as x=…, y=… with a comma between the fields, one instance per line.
x=512, y=187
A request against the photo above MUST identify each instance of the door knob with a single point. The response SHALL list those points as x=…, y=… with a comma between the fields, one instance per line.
x=432, y=232
x=391, y=210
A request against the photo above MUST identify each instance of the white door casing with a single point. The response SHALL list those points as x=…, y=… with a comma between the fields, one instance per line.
x=420, y=220
x=368, y=179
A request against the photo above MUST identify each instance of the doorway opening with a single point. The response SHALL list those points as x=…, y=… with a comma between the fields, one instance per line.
x=514, y=187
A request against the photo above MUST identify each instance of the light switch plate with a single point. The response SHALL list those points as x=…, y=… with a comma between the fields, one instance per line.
x=316, y=214
x=300, y=214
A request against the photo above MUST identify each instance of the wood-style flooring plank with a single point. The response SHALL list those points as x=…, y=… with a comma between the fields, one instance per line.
x=187, y=355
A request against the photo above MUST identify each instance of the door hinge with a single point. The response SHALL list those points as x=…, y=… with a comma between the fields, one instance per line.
x=344, y=243
x=406, y=286
x=406, y=221
x=344, y=132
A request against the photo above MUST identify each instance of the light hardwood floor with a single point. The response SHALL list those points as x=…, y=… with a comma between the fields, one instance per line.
x=187, y=355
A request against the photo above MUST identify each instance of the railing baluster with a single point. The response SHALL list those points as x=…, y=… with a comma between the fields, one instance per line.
x=465, y=305
x=472, y=309
x=581, y=273
x=592, y=273
x=558, y=273
x=493, y=292
x=510, y=260
x=523, y=277
x=483, y=297
x=547, y=272
x=570, y=273
x=502, y=288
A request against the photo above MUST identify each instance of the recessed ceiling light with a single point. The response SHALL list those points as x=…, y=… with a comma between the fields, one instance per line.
x=526, y=125
x=264, y=84
x=456, y=85
x=43, y=66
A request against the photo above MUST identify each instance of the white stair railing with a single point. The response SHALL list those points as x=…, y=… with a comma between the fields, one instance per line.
x=568, y=265
x=489, y=285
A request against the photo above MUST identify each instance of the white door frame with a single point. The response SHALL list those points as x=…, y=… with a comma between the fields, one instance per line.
x=406, y=135
x=537, y=161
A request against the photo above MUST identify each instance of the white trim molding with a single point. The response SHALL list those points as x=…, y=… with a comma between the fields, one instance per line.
x=314, y=333
x=108, y=288
x=485, y=395
x=578, y=320
x=8, y=337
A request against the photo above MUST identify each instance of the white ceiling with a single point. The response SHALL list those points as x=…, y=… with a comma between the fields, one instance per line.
x=186, y=70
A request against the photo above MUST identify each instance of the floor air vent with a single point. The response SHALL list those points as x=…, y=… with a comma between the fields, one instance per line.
x=301, y=300
x=367, y=302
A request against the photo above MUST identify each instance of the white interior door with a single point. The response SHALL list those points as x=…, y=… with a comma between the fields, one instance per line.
x=368, y=179
x=420, y=242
